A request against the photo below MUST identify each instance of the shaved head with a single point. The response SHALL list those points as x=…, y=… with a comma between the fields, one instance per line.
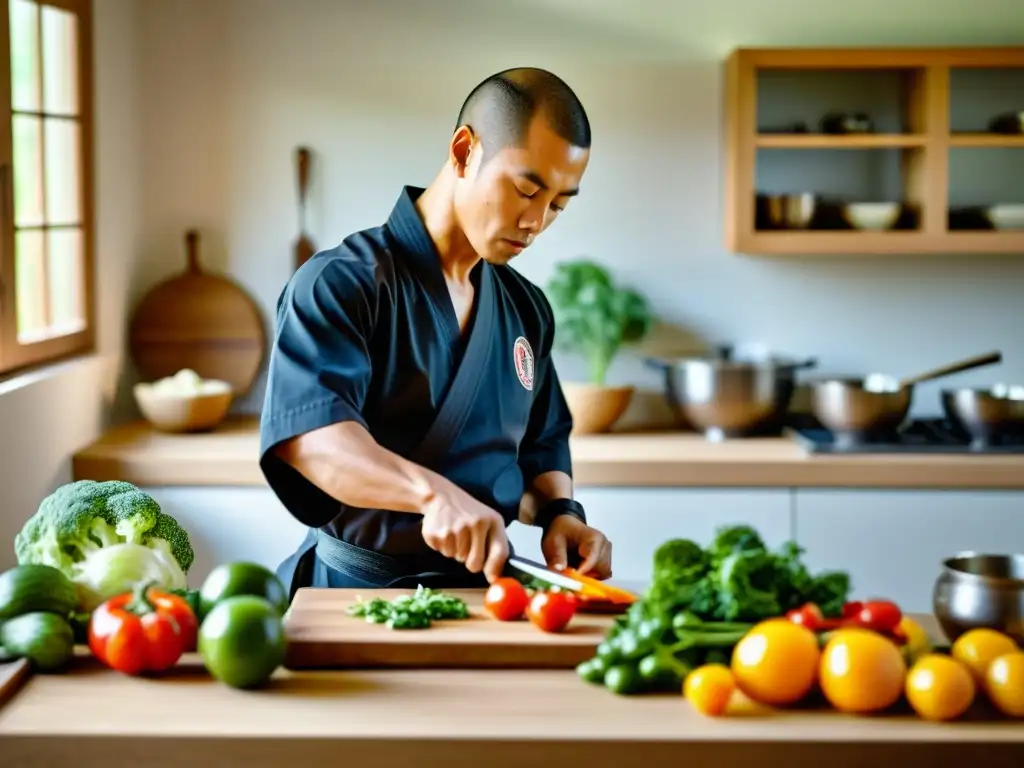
x=501, y=109
x=515, y=160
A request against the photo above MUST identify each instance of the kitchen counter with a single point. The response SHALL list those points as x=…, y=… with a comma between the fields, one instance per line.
x=93, y=716
x=228, y=457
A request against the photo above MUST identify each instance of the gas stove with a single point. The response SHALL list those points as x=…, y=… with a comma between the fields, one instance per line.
x=928, y=435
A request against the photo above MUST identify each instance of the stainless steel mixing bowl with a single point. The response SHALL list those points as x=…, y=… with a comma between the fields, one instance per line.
x=987, y=415
x=853, y=411
x=980, y=590
x=731, y=393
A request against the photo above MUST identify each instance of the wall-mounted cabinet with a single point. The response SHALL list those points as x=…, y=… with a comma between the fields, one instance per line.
x=875, y=151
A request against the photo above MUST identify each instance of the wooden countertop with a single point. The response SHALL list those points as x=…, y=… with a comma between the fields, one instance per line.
x=93, y=716
x=228, y=456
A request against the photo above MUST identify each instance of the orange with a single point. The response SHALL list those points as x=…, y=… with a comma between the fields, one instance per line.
x=709, y=688
x=939, y=687
x=1004, y=683
x=861, y=671
x=776, y=662
x=978, y=647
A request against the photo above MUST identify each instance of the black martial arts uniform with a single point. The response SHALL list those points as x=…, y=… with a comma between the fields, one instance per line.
x=367, y=332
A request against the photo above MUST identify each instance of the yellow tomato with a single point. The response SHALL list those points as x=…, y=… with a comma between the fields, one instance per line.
x=1004, y=683
x=709, y=688
x=918, y=641
x=861, y=671
x=776, y=662
x=978, y=647
x=939, y=687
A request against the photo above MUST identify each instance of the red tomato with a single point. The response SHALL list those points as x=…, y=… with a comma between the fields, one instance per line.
x=852, y=609
x=879, y=615
x=142, y=631
x=506, y=600
x=551, y=611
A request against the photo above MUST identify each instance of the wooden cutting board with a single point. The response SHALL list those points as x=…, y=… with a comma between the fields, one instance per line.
x=321, y=635
x=13, y=675
x=202, y=321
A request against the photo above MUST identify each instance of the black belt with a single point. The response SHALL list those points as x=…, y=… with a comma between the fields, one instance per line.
x=377, y=568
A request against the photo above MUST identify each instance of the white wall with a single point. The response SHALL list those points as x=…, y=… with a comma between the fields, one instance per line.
x=200, y=105
x=230, y=88
x=45, y=417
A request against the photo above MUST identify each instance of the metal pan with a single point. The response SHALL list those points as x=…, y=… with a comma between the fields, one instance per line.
x=875, y=406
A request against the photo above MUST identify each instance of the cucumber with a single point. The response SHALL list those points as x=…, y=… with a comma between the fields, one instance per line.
x=32, y=587
x=45, y=639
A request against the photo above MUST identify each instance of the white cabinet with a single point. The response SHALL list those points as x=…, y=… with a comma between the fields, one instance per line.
x=893, y=542
x=231, y=523
x=637, y=520
x=234, y=523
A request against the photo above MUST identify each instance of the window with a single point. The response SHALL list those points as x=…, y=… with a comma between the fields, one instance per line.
x=46, y=248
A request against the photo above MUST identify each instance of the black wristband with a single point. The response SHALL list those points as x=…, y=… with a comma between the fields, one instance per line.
x=557, y=507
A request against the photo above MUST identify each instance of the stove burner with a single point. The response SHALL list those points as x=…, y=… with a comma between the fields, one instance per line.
x=936, y=435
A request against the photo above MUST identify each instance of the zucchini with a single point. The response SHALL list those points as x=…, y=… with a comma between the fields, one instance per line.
x=45, y=639
x=34, y=587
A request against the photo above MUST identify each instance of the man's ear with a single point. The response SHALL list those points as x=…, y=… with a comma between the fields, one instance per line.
x=462, y=149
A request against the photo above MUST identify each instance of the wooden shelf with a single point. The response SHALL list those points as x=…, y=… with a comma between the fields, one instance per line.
x=829, y=141
x=991, y=140
x=854, y=242
x=916, y=104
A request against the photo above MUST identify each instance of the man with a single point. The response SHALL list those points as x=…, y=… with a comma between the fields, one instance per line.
x=412, y=409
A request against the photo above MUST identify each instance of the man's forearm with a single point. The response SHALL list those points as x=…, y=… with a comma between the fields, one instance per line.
x=544, y=488
x=348, y=464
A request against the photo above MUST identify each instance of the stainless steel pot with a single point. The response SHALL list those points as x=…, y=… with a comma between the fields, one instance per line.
x=980, y=590
x=729, y=392
x=987, y=415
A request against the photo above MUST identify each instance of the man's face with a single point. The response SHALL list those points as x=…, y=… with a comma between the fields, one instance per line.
x=503, y=204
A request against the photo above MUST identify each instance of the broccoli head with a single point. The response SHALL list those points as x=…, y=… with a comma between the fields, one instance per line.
x=84, y=516
x=680, y=560
x=730, y=539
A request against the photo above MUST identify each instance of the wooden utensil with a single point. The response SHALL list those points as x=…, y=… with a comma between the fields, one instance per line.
x=200, y=321
x=321, y=635
x=989, y=358
x=304, y=247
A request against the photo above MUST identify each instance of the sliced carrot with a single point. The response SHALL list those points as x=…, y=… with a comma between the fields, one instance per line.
x=595, y=588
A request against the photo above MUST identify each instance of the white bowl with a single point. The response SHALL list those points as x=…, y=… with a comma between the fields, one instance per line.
x=1008, y=216
x=873, y=216
x=196, y=408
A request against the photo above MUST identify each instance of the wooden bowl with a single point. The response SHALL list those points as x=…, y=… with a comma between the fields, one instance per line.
x=184, y=412
x=595, y=408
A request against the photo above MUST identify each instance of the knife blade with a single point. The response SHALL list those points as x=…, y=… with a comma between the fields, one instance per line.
x=528, y=572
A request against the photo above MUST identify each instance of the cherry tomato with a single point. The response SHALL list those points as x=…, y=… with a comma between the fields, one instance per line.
x=879, y=615
x=810, y=616
x=551, y=611
x=852, y=610
x=506, y=600
x=709, y=689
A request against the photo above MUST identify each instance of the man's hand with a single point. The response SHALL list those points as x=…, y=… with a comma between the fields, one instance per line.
x=568, y=535
x=460, y=527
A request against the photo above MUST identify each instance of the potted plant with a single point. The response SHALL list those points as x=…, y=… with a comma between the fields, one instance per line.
x=594, y=318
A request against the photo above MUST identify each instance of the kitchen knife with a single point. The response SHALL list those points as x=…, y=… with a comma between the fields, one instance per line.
x=528, y=572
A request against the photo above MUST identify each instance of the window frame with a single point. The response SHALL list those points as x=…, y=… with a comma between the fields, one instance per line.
x=14, y=356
